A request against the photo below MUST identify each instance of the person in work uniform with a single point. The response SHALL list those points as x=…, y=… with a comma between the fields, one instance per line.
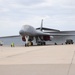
x=12, y=44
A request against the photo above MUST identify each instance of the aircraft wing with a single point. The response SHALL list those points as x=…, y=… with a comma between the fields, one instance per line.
x=10, y=36
x=55, y=32
x=62, y=33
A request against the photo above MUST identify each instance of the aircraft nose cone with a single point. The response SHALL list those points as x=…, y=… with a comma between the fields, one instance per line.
x=21, y=32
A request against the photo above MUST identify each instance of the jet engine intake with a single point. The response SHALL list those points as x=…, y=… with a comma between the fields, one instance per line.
x=23, y=38
x=46, y=38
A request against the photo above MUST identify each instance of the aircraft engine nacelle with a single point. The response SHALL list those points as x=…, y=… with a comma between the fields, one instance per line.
x=23, y=38
x=47, y=38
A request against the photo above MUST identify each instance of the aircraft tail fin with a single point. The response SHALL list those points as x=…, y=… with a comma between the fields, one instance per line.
x=41, y=25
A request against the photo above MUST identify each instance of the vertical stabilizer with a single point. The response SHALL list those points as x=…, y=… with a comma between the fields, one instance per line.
x=41, y=25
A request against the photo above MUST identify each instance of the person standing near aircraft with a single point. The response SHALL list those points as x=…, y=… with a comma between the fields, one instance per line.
x=12, y=44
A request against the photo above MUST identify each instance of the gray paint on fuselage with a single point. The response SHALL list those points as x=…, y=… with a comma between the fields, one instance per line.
x=28, y=30
x=31, y=31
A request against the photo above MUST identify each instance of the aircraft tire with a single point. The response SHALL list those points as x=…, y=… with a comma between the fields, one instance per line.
x=41, y=43
x=31, y=43
x=26, y=45
x=44, y=43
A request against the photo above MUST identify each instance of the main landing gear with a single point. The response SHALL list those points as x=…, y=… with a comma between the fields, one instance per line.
x=41, y=43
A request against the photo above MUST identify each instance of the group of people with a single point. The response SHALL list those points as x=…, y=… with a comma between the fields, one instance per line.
x=12, y=44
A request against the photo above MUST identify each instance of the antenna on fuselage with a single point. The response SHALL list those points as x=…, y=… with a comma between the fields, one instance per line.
x=41, y=25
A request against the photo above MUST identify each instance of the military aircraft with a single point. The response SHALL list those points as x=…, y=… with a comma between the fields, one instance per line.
x=41, y=35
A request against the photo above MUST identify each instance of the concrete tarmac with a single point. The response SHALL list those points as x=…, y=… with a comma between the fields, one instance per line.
x=38, y=60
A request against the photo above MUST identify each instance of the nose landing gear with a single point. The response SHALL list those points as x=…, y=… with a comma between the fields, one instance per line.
x=29, y=44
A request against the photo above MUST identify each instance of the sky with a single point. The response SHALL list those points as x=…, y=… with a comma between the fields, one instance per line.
x=57, y=14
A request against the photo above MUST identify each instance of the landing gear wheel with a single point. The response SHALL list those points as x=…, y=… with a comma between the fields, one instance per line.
x=26, y=45
x=31, y=43
x=44, y=43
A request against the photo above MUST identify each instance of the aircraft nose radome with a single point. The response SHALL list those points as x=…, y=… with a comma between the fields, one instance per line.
x=21, y=32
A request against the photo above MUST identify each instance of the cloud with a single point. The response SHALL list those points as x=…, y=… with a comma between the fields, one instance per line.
x=59, y=14
x=29, y=2
x=3, y=10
